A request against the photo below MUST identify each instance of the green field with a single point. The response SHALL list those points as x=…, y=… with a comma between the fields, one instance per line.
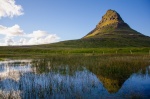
x=43, y=51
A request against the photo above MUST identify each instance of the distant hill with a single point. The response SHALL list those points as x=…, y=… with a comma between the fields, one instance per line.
x=111, y=31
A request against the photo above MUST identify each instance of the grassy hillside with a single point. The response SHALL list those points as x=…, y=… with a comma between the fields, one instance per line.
x=102, y=42
x=105, y=41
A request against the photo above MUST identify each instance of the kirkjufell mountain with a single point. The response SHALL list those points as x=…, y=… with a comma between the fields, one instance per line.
x=111, y=31
x=112, y=24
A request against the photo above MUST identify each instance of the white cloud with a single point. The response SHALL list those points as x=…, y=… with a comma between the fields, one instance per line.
x=11, y=31
x=8, y=8
x=37, y=34
x=15, y=36
x=49, y=38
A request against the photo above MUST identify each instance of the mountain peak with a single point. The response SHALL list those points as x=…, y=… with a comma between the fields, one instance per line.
x=110, y=22
x=109, y=18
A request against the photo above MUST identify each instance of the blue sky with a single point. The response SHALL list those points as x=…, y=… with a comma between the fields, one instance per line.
x=68, y=19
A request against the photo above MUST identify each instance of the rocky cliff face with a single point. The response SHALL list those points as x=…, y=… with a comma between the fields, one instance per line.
x=111, y=18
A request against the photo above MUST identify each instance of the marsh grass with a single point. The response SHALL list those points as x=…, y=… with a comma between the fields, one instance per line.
x=108, y=65
x=110, y=69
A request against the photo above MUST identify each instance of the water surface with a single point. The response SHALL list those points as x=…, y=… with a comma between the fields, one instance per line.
x=45, y=78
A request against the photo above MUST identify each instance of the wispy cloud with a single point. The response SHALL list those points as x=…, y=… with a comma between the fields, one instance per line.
x=8, y=8
x=15, y=36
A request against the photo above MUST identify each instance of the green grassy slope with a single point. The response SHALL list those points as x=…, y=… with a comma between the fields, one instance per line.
x=105, y=41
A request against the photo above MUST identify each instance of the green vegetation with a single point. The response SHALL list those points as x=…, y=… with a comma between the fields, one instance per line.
x=46, y=50
x=1, y=59
x=106, y=41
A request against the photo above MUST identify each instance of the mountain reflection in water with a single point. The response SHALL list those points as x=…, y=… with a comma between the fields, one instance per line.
x=46, y=78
